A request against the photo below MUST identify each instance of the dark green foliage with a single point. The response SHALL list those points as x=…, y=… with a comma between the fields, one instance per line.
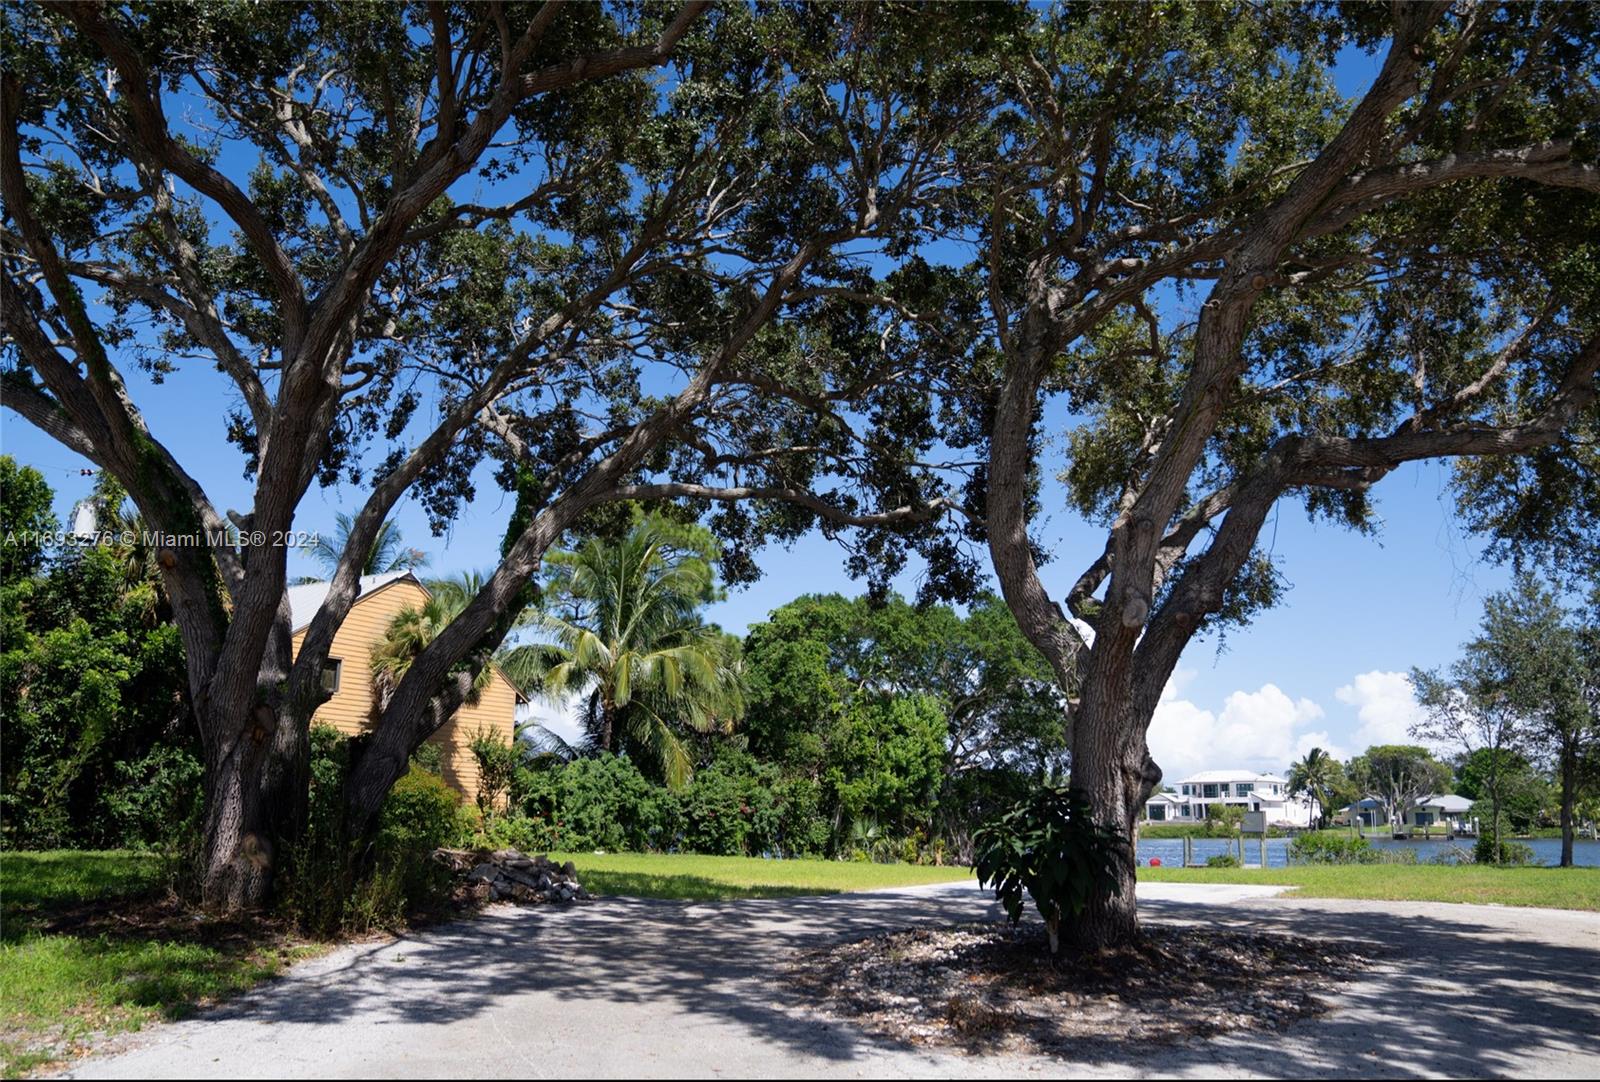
x=26, y=520
x=332, y=885
x=734, y=806
x=888, y=760
x=1223, y=860
x=601, y=802
x=911, y=716
x=885, y=731
x=1050, y=847
x=1490, y=850
x=1525, y=794
x=96, y=746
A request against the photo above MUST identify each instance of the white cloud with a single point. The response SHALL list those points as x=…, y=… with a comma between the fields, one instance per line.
x=1386, y=707
x=1262, y=730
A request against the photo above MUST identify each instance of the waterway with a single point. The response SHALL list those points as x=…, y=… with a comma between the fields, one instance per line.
x=1585, y=854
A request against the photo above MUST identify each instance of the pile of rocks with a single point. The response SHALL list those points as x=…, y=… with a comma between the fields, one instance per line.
x=505, y=875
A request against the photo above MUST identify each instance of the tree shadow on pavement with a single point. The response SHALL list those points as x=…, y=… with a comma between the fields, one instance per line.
x=1451, y=994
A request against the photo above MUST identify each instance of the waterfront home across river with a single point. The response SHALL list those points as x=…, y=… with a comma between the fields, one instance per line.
x=1267, y=793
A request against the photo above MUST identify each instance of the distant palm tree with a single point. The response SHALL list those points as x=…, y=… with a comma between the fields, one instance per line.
x=632, y=642
x=1315, y=776
x=388, y=551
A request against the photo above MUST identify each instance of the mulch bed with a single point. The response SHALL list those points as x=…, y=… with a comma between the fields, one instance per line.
x=992, y=987
x=161, y=915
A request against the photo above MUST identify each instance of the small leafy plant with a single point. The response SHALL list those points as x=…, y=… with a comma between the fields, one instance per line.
x=1049, y=845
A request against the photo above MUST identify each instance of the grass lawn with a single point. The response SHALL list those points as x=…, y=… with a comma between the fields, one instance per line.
x=1554, y=888
x=714, y=879
x=89, y=947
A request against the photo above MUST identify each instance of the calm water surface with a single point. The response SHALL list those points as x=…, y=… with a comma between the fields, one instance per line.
x=1585, y=854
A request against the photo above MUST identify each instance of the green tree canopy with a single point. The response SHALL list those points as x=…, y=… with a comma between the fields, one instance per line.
x=1397, y=776
x=96, y=746
x=27, y=518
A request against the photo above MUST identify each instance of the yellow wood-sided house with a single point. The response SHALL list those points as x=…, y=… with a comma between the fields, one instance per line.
x=349, y=673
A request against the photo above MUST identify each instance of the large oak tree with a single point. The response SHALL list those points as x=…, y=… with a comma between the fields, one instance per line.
x=1238, y=285
x=611, y=250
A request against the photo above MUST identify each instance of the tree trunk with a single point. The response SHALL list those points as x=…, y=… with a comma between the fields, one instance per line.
x=1115, y=774
x=382, y=759
x=1569, y=796
x=608, y=726
x=254, y=810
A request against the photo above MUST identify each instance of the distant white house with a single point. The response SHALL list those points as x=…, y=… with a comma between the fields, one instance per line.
x=1443, y=813
x=1241, y=788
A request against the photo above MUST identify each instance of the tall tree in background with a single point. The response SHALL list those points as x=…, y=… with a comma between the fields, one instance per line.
x=1317, y=776
x=1519, y=691
x=413, y=237
x=1397, y=776
x=850, y=690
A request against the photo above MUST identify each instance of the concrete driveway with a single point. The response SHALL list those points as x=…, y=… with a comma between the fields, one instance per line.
x=629, y=988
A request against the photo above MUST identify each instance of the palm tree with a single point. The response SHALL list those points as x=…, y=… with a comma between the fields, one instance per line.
x=1315, y=776
x=628, y=637
x=412, y=629
x=388, y=552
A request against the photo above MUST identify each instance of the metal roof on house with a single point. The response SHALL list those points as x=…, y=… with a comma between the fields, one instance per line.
x=1449, y=803
x=307, y=598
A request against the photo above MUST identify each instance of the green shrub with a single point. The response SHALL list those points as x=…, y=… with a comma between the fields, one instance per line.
x=1223, y=860
x=1050, y=846
x=513, y=831
x=599, y=803
x=497, y=767
x=1332, y=849
x=157, y=799
x=1223, y=820
x=1489, y=851
x=331, y=884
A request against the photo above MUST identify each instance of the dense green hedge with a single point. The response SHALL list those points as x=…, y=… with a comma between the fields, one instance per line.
x=736, y=806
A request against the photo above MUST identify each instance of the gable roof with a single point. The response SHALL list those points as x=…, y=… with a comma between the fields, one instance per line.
x=1449, y=803
x=307, y=598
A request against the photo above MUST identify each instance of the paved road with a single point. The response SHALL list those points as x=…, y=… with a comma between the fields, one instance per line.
x=630, y=988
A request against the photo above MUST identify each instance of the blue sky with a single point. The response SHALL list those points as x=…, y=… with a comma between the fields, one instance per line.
x=1325, y=668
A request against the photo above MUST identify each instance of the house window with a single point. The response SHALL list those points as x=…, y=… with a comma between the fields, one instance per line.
x=1158, y=812
x=1244, y=788
x=330, y=675
x=1210, y=791
x=1424, y=819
